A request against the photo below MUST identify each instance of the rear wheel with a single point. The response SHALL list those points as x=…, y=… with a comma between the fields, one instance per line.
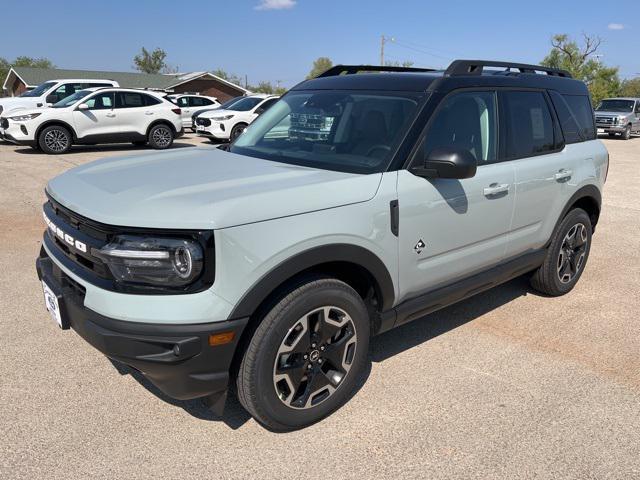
x=160, y=136
x=55, y=140
x=306, y=355
x=567, y=255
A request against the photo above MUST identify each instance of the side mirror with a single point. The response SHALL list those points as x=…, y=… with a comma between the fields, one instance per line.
x=53, y=98
x=83, y=106
x=447, y=162
x=259, y=111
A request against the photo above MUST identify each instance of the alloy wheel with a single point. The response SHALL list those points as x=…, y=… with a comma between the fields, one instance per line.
x=162, y=137
x=572, y=253
x=56, y=140
x=314, y=357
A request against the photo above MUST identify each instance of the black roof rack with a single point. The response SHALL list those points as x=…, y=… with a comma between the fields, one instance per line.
x=352, y=69
x=475, y=67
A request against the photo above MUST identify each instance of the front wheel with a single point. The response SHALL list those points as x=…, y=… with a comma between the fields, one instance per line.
x=55, y=140
x=160, y=137
x=626, y=135
x=236, y=131
x=305, y=358
x=567, y=255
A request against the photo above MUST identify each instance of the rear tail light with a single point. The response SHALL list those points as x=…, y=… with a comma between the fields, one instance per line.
x=177, y=111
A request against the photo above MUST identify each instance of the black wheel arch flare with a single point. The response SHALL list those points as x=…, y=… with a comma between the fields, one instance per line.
x=314, y=257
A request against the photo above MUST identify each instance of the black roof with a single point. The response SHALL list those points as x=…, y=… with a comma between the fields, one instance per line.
x=460, y=74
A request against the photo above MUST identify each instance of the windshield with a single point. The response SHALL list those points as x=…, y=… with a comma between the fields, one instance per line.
x=70, y=100
x=244, y=104
x=228, y=103
x=39, y=90
x=349, y=131
x=615, y=106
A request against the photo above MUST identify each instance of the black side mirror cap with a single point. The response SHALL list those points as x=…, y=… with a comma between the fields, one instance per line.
x=53, y=98
x=447, y=162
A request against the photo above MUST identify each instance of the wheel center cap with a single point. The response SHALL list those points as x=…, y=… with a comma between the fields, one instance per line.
x=314, y=356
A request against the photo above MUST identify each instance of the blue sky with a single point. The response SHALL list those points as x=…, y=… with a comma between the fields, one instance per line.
x=279, y=39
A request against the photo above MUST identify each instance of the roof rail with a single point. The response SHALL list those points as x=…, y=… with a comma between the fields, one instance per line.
x=352, y=69
x=475, y=67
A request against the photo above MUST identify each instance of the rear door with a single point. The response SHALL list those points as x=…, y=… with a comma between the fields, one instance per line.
x=449, y=228
x=133, y=113
x=534, y=145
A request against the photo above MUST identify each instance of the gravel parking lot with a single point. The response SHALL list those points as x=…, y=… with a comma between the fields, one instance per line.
x=505, y=385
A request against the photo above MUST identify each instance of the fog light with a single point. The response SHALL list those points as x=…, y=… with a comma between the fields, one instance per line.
x=221, y=338
x=23, y=129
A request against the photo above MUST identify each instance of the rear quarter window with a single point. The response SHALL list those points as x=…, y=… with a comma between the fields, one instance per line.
x=568, y=123
x=582, y=111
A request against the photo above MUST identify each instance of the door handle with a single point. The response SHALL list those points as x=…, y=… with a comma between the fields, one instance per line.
x=148, y=113
x=110, y=115
x=563, y=174
x=495, y=188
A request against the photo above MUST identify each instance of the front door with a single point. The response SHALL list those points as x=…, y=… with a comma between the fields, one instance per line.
x=99, y=120
x=450, y=229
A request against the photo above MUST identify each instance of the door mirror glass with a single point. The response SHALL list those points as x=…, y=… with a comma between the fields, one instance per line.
x=83, y=106
x=447, y=162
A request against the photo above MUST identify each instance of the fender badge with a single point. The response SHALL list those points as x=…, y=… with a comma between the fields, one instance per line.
x=419, y=247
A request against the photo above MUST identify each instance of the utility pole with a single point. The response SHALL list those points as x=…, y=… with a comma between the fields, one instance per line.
x=382, y=40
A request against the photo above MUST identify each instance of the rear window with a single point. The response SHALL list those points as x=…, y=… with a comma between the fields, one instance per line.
x=580, y=107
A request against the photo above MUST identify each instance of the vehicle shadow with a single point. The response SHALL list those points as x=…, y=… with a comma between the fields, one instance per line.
x=381, y=347
x=102, y=148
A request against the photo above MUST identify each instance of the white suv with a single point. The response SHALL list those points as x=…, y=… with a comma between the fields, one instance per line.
x=50, y=92
x=227, y=124
x=96, y=115
x=191, y=104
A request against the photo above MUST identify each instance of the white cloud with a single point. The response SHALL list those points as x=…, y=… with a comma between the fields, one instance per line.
x=615, y=26
x=275, y=4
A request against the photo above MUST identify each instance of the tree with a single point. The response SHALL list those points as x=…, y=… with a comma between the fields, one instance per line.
x=395, y=63
x=630, y=88
x=229, y=77
x=269, y=88
x=150, y=62
x=320, y=65
x=583, y=64
x=22, y=61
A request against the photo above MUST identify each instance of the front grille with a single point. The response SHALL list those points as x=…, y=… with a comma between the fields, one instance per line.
x=68, y=229
x=205, y=122
x=604, y=120
x=4, y=123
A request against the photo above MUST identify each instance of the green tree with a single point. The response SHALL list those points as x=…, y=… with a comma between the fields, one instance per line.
x=630, y=88
x=150, y=62
x=581, y=61
x=320, y=65
x=229, y=77
x=268, y=87
x=395, y=63
x=21, y=61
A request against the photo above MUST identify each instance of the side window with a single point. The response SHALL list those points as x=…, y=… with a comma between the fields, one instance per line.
x=466, y=120
x=568, y=122
x=529, y=124
x=183, y=102
x=102, y=101
x=196, y=102
x=580, y=106
x=638, y=107
x=265, y=106
x=149, y=100
x=129, y=100
x=67, y=89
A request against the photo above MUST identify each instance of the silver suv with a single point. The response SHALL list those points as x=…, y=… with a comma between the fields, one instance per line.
x=619, y=116
x=271, y=266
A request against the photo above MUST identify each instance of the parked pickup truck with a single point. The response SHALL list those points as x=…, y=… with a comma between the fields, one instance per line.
x=619, y=116
x=50, y=92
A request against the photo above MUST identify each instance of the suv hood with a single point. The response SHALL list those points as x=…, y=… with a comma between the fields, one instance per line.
x=219, y=112
x=202, y=188
x=17, y=103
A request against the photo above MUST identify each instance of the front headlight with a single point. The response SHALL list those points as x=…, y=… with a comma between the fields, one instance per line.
x=155, y=261
x=221, y=119
x=24, y=118
x=621, y=119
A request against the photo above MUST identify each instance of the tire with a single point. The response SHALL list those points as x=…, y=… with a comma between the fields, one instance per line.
x=567, y=255
x=287, y=334
x=160, y=136
x=139, y=143
x=55, y=140
x=236, y=131
x=626, y=135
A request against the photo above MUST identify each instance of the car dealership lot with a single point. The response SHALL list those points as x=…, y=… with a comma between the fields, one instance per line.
x=506, y=384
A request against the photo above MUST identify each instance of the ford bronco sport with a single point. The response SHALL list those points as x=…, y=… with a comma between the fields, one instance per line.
x=269, y=268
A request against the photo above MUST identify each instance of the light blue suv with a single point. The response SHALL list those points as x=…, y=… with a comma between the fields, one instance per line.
x=383, y=197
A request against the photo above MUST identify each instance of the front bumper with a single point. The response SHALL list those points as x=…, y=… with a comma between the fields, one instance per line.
x=216, y=130
x=175, y=358
x=13, y=132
